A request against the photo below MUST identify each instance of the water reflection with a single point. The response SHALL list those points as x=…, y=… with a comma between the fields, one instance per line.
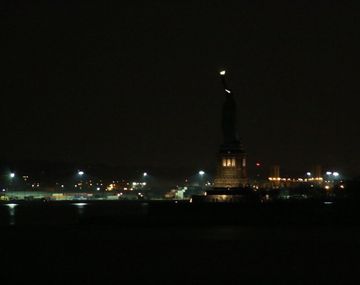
x=11, y=208
x=80, y=207
x=144, y=208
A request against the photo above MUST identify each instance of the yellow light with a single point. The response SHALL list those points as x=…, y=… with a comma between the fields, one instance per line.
x=110, y=187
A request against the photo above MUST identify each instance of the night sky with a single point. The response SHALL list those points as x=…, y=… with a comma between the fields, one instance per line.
x=137, y=84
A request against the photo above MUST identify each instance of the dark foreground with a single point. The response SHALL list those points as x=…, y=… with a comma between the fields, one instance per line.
x=168, y=243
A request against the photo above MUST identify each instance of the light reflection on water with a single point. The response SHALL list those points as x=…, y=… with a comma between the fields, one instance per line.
x=80, y=207
x=11, y=209
x=67, y=213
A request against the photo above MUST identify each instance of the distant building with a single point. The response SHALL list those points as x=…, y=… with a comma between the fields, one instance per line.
x=275, y=171
x=235, y=195
x=275, y=177
x=177, y=193
x=318, y=171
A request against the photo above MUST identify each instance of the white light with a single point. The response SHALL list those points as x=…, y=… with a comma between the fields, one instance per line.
x=222, y=72
x=336, y=174
x=12, y=175
x=81, y=173
x=328, y=173
x=308, y=173
x=98, y=189
x=11, y=206
x=80, y=204
x=328, y=203
x=145, y=174
x=228, y=91
x=201, y=172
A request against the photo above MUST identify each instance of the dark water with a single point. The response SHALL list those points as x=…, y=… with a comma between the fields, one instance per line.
x=113, y=243
x=66, y=213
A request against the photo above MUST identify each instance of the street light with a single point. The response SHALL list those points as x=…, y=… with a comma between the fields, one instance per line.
x=201, y=178
x=12, y=175
x=81, y=173
x=145, y=174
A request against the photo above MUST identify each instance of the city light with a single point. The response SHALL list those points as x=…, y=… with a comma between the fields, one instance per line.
x=222, y=72
x=12, y=175
x=336, y=174
x=110, y=187
x=145, y=174
x=308, y=173
x=201, y=173
x=81, y=173
x=328, y=173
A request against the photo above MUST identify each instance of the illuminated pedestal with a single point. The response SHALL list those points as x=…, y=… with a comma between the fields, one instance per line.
x=231, y=168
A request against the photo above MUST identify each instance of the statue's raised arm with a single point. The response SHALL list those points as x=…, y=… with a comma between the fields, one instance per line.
x=229, y=117
x=223, y=80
